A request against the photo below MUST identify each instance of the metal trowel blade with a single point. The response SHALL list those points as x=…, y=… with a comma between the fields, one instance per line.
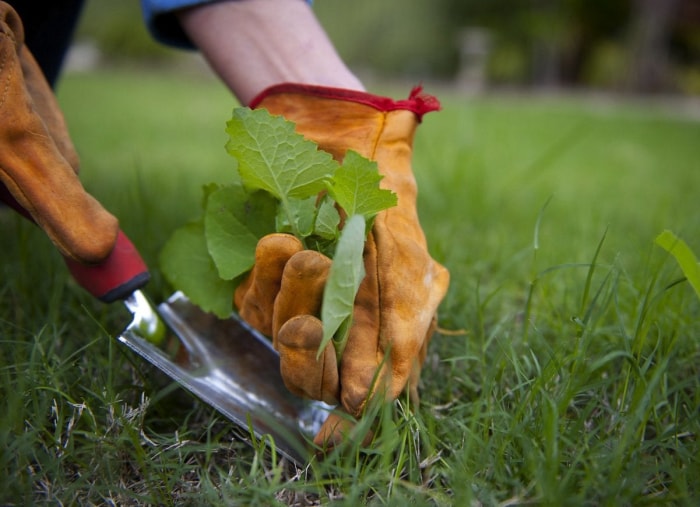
x=231, y=367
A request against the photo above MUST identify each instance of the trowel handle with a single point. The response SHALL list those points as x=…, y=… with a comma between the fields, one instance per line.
x=115, y=278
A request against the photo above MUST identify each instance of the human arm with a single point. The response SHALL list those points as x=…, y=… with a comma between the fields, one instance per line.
x=252, y=44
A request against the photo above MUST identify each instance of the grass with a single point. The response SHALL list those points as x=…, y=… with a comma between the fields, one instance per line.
x=566, y=372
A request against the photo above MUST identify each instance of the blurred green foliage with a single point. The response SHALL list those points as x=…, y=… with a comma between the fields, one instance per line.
x=642, y=45
x=395, y=37
x=117, y=29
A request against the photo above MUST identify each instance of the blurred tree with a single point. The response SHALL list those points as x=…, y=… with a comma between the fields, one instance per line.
x=594, y=28
x=639, y=45
x=555, y=38
x=685, y=46
x=651, y=26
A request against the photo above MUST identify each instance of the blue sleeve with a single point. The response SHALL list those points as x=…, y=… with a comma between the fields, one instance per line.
x=163, y=24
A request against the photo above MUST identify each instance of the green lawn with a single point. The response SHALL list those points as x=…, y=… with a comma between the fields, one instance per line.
x=566, y=372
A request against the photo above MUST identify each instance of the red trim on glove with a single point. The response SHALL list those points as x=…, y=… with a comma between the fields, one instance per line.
x=417, y=102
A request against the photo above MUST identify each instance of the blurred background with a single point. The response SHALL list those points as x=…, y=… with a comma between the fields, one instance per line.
x=620, y=46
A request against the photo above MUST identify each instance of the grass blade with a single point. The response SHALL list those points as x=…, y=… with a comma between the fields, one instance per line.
x=684, y=256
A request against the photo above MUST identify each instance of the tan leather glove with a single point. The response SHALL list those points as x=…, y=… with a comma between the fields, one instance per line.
x=395, y=308
x=38, y=164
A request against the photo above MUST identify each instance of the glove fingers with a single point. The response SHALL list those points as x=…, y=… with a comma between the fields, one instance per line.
x=255, y=297
x=32, y=165
x=337, y=428
x=414, y=377
x=303, y=374
x=363, y=353
x=301, y=291
x=384, y=360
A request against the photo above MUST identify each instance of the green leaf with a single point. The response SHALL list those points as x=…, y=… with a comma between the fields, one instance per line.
x=273, y=157
x=327, y=220
x=684, y=257
x=355, y=187
x=346, y=273
x=230, y=240
x=303, y=215
x=258, y=213
x=187, y=265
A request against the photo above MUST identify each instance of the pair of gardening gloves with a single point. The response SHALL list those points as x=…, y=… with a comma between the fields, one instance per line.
x=395, y=308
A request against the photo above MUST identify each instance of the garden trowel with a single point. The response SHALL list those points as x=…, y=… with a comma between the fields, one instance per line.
x=224, y=362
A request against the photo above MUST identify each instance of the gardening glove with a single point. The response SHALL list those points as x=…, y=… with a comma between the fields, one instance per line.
x=395, y=309
x=38, y=163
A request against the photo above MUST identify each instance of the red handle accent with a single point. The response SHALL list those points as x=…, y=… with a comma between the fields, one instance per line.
x=115, y=278
x=120, y=274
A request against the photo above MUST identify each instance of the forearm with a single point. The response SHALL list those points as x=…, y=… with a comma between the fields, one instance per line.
x=254, y=44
